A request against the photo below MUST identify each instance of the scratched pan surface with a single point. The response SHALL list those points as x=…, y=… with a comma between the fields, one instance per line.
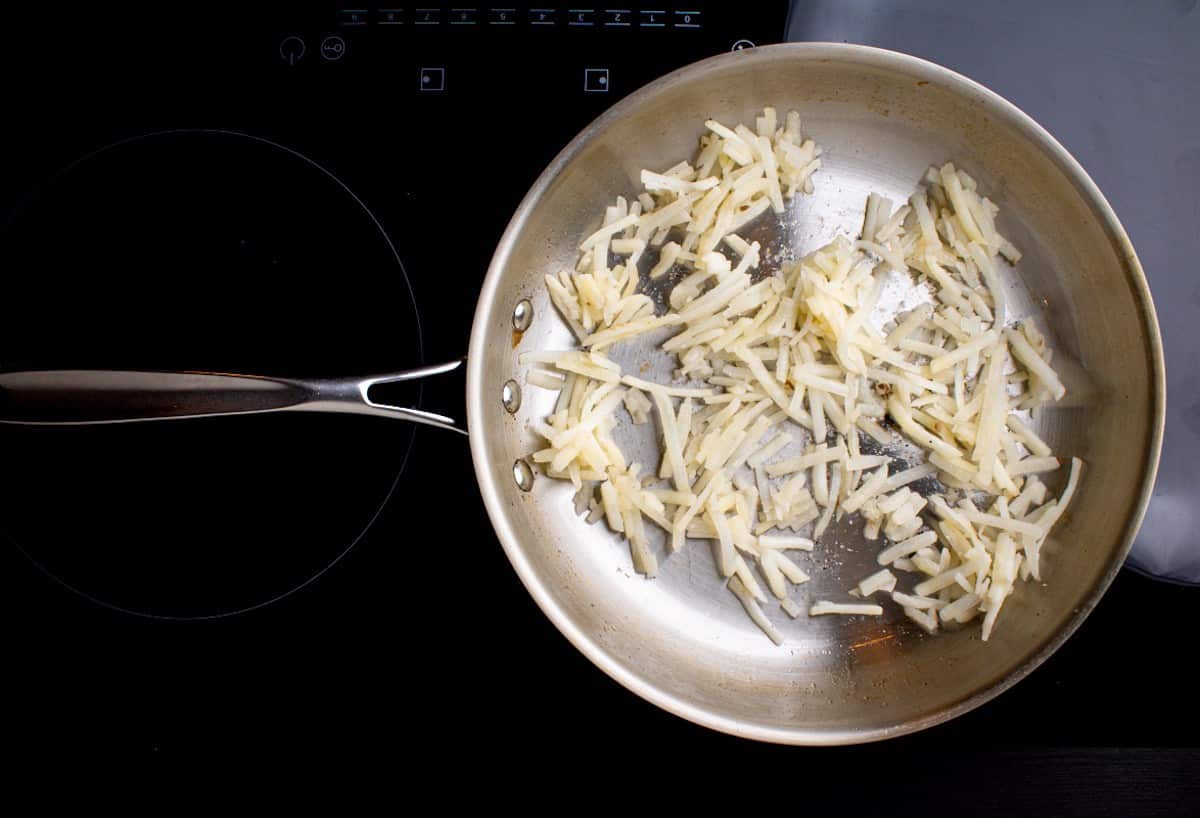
x=681, y=640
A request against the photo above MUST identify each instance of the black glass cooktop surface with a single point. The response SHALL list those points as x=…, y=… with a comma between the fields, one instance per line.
x=319, y=192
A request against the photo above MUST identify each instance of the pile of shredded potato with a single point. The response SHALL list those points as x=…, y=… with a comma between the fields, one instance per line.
x=791, y=359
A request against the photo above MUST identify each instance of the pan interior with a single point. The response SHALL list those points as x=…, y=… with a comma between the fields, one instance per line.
x=681, y=640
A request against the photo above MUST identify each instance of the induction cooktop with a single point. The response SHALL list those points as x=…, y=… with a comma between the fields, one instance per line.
x=318, y=190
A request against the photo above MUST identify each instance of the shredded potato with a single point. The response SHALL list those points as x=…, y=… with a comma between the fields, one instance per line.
x=844, y=608
x=789, y=356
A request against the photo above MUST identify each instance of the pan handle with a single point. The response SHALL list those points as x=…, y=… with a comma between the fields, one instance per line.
x=86, y=396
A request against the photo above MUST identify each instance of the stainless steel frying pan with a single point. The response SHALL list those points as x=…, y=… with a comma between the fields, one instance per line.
x=680, y=640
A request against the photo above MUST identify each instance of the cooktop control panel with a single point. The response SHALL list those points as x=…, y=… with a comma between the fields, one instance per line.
x=508, y=52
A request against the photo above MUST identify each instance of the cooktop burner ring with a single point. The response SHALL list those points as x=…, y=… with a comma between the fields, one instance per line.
x=383, y=257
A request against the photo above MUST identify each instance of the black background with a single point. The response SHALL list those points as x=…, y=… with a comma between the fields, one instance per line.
x=420, y=637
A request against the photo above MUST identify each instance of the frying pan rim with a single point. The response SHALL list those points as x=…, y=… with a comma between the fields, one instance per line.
x=480, y=409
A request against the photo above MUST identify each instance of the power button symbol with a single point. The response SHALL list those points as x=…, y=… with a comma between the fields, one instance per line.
x=291, y=50
x=333, y=48
x=742, y=45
